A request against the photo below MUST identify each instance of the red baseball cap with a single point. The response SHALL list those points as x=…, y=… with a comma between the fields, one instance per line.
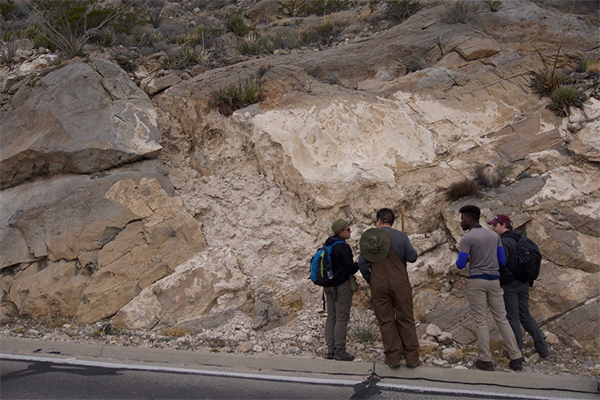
x=500, y=219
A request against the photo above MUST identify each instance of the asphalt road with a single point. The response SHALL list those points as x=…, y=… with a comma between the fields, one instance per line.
x=47, y=380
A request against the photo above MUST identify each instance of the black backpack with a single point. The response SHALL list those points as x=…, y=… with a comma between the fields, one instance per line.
x=529, y=260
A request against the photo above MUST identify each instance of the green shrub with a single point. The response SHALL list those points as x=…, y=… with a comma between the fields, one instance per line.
x=291, y=8
x=563, y=97
x=8, y=54
x=254, y=44
x=459, y=12
x=464, y=188
x=236, y=23
x=589, y=65
x=322, y=33
x=11, y=11
x=545, y=82
x=325, y=7
x=494, y=5
x=104, y=38
x=69, y=24
x=185, y=57
x=365, y=334
x=396, y=10
x=415, y=62
x=154, y=9
x=235, y=96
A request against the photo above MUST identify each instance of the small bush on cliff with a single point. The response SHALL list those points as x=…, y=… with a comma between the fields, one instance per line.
x=325, y=7
x=236, y=23
x=396, y=10
x=544, y=82
x=464, y=188
x=563, y=97
x=254, y=44
x=68, y=25
x=238, y=95
x=459, y=12
x=589, y=65
x=7, y=54
x=494, y=5
x=290, y=8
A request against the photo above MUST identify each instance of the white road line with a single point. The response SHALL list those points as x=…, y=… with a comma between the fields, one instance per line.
x=278, y=378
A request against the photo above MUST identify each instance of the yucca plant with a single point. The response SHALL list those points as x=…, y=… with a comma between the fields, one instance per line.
x=236, y=23
x=494, y=5
x=104, y=38
x=563, y=97
x=544, y=82
x=235, y=96
x=7, y=55
x=250, y=91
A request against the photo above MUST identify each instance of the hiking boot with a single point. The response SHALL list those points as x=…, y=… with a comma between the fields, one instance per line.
x=343, y=356
x=484, y=365
x=413, y=365
x=516, y=364
x=393, y=366
x=330, y=356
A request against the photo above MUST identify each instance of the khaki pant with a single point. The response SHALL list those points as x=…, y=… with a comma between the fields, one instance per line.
x=486, y=294
x=393, y=305
x=338, y=315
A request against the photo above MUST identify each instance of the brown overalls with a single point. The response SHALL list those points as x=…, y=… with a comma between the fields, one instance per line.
x=393, y=305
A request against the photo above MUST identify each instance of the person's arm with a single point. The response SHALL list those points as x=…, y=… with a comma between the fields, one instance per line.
x=409, y=251
x=461, y=262
x=365, y=268
x=500, y=254
x=463, y=256
x=348, y=259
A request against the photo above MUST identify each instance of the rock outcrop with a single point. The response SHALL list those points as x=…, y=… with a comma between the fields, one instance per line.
x=225, y=220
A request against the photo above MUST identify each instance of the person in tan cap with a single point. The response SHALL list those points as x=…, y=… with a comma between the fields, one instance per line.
x=339, y=295
x=382, y=262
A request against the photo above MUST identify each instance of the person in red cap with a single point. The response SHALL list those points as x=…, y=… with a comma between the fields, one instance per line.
x=516, y=292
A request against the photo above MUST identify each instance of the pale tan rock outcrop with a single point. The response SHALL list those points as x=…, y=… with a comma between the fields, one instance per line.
x=81, y=118
x=265, y=183
x=206, y=286
x=586, y=142
x=84, y=246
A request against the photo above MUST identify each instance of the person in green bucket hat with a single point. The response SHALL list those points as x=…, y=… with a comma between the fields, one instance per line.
x=384, y=253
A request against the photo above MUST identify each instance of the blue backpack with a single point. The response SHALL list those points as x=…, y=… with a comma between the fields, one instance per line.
x=321, y=272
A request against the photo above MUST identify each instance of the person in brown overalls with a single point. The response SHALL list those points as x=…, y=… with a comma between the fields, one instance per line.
x=382, y=262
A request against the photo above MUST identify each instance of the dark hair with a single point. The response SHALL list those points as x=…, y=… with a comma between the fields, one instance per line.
x=472, y=211
x=386, y=216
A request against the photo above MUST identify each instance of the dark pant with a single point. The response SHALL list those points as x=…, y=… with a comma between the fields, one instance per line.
x=393, y=305
x=516, y=300
x=338, y=315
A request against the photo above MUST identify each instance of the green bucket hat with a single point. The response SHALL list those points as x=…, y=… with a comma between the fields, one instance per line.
x=338, y=225
x=375, y=245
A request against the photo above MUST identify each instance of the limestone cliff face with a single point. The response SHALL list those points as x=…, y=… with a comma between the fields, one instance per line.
x=227, y=217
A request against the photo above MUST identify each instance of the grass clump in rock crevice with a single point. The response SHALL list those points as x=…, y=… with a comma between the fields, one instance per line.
x=236, y=96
